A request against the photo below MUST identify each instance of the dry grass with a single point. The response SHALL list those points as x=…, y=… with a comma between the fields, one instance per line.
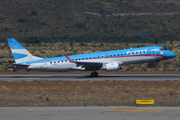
x=88, y=93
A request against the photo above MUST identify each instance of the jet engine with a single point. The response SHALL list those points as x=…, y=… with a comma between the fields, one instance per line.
x=112, y=66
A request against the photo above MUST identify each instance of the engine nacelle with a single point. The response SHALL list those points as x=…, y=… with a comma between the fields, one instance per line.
x=112, y=66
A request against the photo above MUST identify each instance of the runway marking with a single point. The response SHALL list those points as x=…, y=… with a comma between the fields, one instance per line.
x=136, y=110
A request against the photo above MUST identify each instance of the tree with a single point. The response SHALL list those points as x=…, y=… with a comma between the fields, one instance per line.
x=71, y=43
x=156, y=42
x=171, y=42
x=33, y=12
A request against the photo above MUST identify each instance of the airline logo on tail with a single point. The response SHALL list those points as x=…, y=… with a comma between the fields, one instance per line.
x=14, y=44
x=20, y=54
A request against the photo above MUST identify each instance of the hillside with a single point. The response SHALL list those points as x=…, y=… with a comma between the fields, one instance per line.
x=89, y=21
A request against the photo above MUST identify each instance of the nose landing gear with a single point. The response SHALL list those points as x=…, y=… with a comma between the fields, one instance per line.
x=157, y=65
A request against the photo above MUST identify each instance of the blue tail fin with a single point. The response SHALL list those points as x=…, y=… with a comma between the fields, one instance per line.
x=20, y=54
x=14, y=44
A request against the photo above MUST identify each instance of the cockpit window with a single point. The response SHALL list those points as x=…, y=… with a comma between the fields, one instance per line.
x=165, y=48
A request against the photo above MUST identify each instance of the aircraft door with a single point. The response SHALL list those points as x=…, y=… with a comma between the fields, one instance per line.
x=45, y=64
x=153, y=52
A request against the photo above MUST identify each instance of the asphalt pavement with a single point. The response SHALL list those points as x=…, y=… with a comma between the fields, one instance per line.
x=84, y=77
x=87, y=113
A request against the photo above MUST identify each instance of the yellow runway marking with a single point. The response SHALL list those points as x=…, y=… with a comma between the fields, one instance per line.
x=136, y=110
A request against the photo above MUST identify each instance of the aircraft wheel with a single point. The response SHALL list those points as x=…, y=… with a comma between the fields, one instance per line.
x=94, y=74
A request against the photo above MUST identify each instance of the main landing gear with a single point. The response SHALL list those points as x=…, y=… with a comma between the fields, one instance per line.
x=94, y=74
x=158, y=67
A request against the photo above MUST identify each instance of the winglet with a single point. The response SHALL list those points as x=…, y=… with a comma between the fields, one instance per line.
x=67, y=57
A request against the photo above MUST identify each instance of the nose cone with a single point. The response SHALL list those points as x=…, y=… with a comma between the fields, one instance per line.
x=172, y=54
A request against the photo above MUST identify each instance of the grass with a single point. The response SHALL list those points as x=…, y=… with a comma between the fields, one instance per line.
x=88, y=93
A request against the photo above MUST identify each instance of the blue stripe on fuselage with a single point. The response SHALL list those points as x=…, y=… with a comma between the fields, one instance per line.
x=100, y=54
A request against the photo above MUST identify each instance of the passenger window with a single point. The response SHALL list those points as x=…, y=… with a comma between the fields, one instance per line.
x=118, y=54
x=114, y=55
x=161, y=49
x=106, y=55
x=102, y=56
x=54, y=61
x=51, y=62
x=94, y=57
x=125, y=53
x=144, y=51
x=110, y=55
x=65, y=60
x=121, y=54
x=136, y=52
x=140, y=52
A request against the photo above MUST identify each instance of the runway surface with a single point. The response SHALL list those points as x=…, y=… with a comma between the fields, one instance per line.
x=86, y=113
x=82, y=77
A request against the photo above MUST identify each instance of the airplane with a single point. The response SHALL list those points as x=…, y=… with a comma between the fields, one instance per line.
x=107, y=60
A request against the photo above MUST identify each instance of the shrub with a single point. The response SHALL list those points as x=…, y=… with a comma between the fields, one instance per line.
x=33, y=12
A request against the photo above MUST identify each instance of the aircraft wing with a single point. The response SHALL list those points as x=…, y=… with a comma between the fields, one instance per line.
x=88, y=65
x=83, y=62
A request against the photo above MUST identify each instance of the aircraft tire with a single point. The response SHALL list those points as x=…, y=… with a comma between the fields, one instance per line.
x=94, y=74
